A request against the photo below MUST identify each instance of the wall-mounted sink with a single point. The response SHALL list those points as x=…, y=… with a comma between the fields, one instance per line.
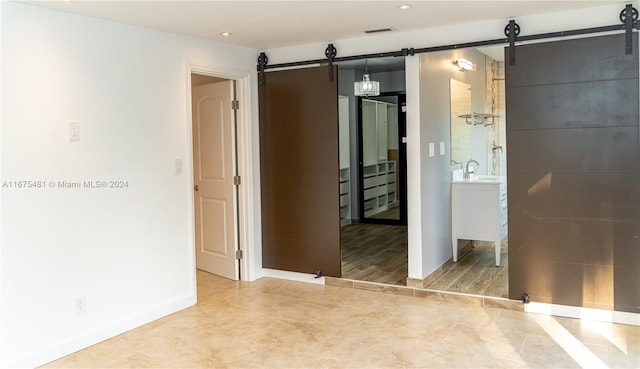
x=486, y=178
x=479, y=179
x=479, y=211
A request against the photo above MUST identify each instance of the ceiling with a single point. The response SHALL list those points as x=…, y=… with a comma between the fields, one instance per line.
x=269, y=24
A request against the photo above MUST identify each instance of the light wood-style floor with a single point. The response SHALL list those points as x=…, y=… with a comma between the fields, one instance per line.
x=391, y=213
x=375, y=253
x=476, y=272
x=378, y=253
x=273, y=323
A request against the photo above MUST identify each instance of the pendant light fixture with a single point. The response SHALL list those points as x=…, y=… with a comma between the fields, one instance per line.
x=366, y=87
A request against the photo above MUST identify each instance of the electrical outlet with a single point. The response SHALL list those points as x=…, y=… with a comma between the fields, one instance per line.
x=80, y=305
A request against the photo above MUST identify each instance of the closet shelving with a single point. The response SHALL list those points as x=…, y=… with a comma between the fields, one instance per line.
x=379, y=138
x=379, y=187
x=345, y=171
x=345, y=197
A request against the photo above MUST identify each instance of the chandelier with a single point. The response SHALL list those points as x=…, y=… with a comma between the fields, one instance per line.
x=366, y=87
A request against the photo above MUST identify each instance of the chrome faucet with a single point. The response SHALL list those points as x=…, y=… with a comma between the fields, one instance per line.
x=465, y=173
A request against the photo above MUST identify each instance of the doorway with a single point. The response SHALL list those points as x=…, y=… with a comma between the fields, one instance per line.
x=373, y=173
x=382, y=174
x=215, y=163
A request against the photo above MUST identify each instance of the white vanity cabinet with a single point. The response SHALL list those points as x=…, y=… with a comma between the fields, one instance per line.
x=479, y=212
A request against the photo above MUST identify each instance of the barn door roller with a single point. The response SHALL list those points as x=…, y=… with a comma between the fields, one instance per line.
x=262, y=64
x=629, y=16
x=330, y=52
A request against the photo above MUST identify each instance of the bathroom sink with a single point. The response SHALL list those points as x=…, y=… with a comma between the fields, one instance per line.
x=487, y=179
x=480, y=179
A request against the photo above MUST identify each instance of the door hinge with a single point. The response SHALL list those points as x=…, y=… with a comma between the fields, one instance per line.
x=235, y=104
x=237, y=180
x=238, y=254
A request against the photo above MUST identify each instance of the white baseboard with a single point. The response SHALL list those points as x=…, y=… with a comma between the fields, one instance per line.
x=609, y=316
x=98, y=335
x=292, y=276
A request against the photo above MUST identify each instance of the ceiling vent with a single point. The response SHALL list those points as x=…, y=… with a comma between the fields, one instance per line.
x=379, y=30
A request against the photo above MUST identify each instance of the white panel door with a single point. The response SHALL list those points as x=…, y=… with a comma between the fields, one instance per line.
x=213, y=160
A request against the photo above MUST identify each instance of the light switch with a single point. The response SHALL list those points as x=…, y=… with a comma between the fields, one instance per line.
x=74, y=131
x=178, y=166
x=441, y=148
x=432, y=150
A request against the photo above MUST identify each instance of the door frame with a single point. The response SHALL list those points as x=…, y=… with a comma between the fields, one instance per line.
x=245, y=194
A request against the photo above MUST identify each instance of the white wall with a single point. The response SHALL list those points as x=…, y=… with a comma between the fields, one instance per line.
x=436, y=70
x=128, y=251
x=415, y=147
x=427, y=242
x=390, y=81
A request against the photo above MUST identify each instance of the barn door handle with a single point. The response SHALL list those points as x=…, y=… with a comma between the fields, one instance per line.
x=195, y=187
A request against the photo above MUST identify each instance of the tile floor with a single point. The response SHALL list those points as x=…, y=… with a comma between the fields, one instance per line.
x=281, y=324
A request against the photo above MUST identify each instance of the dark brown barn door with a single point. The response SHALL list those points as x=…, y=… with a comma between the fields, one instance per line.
x=299, y=168
x=574, y=173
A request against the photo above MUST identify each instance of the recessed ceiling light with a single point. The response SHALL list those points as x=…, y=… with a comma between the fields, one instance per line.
x=404, y=6
x=225, y=34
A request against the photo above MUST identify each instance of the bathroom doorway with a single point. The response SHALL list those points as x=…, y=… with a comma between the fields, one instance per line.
x=471, y=101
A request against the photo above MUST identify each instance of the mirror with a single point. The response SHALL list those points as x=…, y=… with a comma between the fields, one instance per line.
x=460, y=101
